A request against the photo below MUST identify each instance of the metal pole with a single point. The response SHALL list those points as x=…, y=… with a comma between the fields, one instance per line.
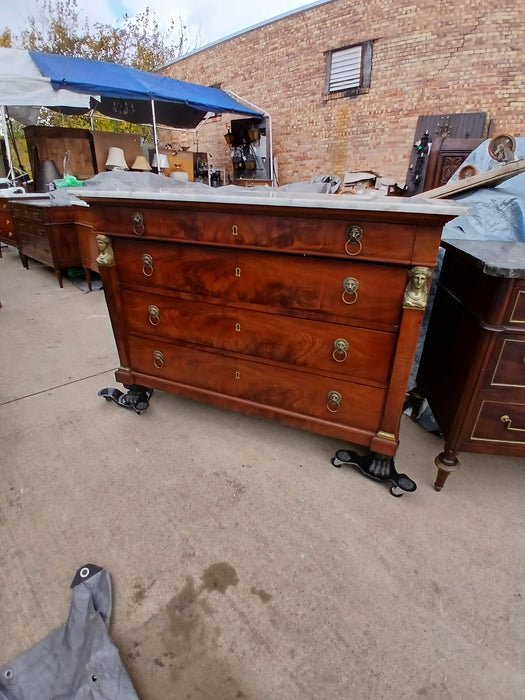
x=155, y=139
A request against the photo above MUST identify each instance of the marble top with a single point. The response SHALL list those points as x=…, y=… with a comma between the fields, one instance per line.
x=379, y=203
x=494, y=258
x=152, y=187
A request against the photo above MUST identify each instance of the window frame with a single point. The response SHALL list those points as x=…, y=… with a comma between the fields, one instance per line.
x=365, y=74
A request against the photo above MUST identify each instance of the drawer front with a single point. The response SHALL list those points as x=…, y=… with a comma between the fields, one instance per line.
x=510, y=365
x=517, y=314
x=310, y=395
x=36, y=247
x=346, y=351
x=314, y=286
x=33, y=228
x=500, y=422
x=24, y=211
x=349, y=237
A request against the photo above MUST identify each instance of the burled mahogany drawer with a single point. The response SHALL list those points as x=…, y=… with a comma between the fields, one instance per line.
x=346, y=351
x=347, y=236
x=347, y=290
x=283, y=389
x=510, y=364
x=500, y=422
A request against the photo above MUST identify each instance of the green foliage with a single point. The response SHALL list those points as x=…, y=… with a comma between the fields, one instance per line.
x=139, y=42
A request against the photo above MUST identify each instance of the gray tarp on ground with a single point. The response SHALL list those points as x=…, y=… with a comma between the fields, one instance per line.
x=77, y=661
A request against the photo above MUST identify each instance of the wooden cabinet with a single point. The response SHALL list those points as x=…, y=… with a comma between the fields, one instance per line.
x=292, y=309
x=472, y=369
x=47, y=233
x=7, y=229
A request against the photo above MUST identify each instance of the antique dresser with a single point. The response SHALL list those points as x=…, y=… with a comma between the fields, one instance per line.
x=472, y=369
x=46, y=231
x=7, y=230
x=286, y=306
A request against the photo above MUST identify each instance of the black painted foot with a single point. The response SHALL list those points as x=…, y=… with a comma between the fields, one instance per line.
x=136, y=399
x=377, y=467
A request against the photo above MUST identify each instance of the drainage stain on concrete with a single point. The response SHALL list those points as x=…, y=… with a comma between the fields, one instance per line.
x=218, y=577
x=173, y=653
x=263, y=595
x=141, y=590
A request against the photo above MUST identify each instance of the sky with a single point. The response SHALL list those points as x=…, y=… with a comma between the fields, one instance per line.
x=207, y=21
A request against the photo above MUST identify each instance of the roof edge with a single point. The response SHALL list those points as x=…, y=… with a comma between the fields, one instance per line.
x=252, y=28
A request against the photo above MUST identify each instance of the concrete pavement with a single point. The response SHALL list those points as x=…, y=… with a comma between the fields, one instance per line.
x=244, y=565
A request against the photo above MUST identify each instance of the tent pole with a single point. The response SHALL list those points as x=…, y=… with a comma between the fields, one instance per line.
x=11, y=173
x=155, y=138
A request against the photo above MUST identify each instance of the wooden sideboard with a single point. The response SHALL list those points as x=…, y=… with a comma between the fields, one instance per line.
x=46, y=232
x=472, y=369
x=293, y=308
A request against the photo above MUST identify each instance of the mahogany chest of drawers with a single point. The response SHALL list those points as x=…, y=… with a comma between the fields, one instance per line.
x=289, y=308
x=472, y=369
x=47, y=233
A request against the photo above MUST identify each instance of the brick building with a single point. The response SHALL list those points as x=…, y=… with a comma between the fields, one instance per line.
x=398, y=61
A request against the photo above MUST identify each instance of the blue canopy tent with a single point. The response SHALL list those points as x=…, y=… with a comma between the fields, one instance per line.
x=127, y=93
x=78, y=85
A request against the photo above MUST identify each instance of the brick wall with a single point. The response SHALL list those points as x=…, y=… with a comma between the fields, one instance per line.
x=429, y=57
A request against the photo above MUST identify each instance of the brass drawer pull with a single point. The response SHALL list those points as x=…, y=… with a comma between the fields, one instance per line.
x=350, y=287
x=340, y=352
x=154, y=314
x=158, y=359
x=354, y=236
x=508, y=421
x=334, y=401
x=137, y=219
x=147, y=265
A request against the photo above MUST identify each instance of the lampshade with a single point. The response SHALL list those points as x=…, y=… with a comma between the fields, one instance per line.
x=140, y=163
x=116, y=159
x=163, y=161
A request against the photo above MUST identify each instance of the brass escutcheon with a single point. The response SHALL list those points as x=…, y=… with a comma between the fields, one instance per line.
x=137, y=219
x=350, y=287
x=334, y=401
x=147, y=265
x=508, y=424
x=158, y=359
x=235, y=230
x=340, y=352
x=154, y=314
x=354, y=236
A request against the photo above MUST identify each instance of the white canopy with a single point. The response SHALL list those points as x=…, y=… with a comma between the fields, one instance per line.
x=23, y=85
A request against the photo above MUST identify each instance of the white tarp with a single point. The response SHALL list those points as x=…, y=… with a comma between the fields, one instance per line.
x=22, y=85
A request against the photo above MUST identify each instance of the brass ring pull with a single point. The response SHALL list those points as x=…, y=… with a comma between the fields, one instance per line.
x=334, y=401
x=154, y=314
x=147, y=265
x=354, y=236
x=507, y=420
x=350, y=287
x=158, y=359
x=137, y=219
x=340, y=352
